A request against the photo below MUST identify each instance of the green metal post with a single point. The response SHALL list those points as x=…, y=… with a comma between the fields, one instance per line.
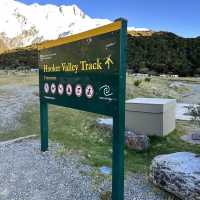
x=119, y=123
x=44, y=125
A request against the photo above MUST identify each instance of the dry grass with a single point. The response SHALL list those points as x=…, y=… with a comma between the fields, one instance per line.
x=156, y=87
x=13, y=78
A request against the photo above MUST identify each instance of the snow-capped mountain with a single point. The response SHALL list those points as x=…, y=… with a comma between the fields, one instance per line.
x=131, y=28
x=22, y=25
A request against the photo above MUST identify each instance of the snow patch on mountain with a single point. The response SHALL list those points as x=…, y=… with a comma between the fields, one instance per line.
x=132, y=28
x=22, y=25
x=33, y=23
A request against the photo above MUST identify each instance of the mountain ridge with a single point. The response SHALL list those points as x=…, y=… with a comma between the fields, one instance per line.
x=23, y=25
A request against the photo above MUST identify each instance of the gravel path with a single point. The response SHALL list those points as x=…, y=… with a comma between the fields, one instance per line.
x=194, y=96
x=28, y=174
x=13, y=99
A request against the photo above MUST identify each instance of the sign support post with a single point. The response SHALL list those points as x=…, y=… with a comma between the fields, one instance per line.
x=119, y=124
x=44, y=125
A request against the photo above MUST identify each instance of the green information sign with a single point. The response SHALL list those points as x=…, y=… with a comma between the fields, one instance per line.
x=86, y=71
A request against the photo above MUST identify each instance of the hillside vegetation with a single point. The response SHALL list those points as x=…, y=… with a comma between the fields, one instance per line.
x=148, y=52
x=164, y=52
x=23, y=58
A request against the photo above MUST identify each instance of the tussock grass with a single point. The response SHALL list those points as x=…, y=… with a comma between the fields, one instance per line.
x=158, y=87
x=77, y=131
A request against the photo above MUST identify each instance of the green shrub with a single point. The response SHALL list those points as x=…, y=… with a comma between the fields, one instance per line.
x=147, y=79
x=137, y=82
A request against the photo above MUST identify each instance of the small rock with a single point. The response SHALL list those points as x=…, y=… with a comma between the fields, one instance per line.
x=178, y=173
x=136, y=141
x=196, y=136
x=106, y=123
x=192, y=138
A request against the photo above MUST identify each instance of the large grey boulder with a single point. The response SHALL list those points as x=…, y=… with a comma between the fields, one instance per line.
x=177, y=173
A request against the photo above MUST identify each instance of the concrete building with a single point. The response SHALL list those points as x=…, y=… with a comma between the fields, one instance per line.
x=151, y=116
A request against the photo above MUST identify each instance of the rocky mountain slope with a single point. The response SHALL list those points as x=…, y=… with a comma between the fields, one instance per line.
x=3, y=46
x=23, y=25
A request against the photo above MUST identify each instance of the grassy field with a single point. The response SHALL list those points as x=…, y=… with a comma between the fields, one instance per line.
x=77, y=131
x=154, y=87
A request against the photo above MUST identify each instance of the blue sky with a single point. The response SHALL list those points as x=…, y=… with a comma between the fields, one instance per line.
x=179, y=16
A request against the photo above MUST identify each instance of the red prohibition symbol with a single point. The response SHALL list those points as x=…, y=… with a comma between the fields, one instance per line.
x=60, y=89
x=53, y=88
x=89, y=91
x=46, y=88
x=69, y=89
x=78, y=90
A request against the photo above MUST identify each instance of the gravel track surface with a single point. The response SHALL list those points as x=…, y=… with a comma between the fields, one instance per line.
x=28, y=174
x=13, y=99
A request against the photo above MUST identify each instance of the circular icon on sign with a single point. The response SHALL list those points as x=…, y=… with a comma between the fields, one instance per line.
x=89, y=91
x=53, y=88
x=60, y=89
x=46, y=88
x=78, y=90
x=69, y=89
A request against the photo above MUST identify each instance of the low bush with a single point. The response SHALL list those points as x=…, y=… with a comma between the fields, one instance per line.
x=147, y=79
x=137, y=82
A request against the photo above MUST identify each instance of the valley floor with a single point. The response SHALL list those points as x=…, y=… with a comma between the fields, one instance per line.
x=71, y=167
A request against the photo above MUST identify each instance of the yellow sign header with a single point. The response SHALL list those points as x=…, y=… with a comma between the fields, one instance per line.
x=87, y=34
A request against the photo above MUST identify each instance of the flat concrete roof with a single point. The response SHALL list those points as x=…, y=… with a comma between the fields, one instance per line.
x=151, y=101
